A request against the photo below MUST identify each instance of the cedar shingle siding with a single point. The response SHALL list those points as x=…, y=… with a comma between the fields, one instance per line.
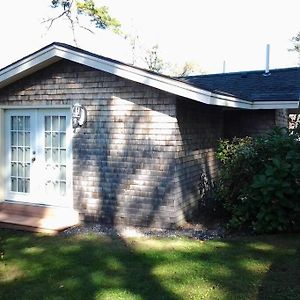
x=145, y=157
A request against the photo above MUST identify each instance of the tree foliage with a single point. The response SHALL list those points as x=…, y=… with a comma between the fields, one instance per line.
x=187, y=68
x=153, y=60
x=98, y=15
x=296, y=44
x=156, y=63
x=73, y=9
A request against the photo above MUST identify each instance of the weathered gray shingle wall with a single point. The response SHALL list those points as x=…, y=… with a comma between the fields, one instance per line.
x=241, y=123
x=124, y=158
x=281, y=118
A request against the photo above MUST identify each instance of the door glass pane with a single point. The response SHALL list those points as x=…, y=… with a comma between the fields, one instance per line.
x=20, y=153
x=63, y=140
x=48, y=156
x=27, y=154
x=27, y=139
x=27, y=186
x=62, y=173
x=27, y=123
x=20, y=170
x=20, y=138
x=14, y=154
x=63, y=126
x=62, y=156
x=48, y=123
x=62, y=188
x=55, y=124
x=27, y=170
x=14, y=139
x=14, y=169
x=14, y=123
x=56, y=187
x=14, y=184
x=47, y=139
x=55, y=140
x=55, y=156
x=20, y=185
x=20, y=123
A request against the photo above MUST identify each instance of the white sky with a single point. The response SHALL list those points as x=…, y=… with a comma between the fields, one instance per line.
x=205, y=31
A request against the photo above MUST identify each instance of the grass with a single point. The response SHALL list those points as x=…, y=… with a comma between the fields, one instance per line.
x=91, y=267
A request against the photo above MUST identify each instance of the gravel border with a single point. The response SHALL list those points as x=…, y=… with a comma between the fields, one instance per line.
x=193, y=232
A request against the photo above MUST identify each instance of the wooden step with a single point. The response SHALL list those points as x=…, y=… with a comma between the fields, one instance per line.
x=37, y=218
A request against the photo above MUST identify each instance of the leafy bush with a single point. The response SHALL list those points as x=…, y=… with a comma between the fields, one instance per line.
x=259, y=181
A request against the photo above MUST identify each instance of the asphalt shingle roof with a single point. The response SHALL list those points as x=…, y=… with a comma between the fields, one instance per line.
x=280, y=84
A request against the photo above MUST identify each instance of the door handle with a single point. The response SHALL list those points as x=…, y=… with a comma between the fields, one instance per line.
x=33, y=158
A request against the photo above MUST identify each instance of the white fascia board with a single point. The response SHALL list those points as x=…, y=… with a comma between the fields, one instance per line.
x=166, y=84
x=230, y=101
x=27, y=66
x=280, y=104
x=54, y=53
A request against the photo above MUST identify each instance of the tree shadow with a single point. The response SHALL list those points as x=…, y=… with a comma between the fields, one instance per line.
x=91, y=267
x=77, y=268
x=133, y=166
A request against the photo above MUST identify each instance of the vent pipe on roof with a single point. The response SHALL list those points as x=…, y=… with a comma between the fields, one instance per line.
x=267, y=69
x=224, y=66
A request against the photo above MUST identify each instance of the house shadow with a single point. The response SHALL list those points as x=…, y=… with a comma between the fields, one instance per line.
x=201, y=127
x=283, y=278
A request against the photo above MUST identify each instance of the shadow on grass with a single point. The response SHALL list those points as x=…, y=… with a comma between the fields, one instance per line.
x=89, y=267
x=81, y=268
x=283, y=278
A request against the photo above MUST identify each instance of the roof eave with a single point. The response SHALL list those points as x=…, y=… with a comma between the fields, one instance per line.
x=28, y=65
x=278, y=104
x=166, y=84
x=55, y=52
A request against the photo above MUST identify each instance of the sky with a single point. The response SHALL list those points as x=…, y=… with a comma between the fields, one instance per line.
x=206, y=32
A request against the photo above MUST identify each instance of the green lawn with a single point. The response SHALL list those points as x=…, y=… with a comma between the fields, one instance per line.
x=91, y=267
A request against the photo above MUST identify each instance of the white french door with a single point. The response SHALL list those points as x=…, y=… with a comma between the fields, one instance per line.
x=38, y=156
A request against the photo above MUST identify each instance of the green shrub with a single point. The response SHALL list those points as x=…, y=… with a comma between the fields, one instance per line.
x=259, y=182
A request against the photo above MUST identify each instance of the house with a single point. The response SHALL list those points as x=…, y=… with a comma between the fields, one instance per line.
x=84, y=136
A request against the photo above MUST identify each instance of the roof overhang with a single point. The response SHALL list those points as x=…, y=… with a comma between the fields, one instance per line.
x=55, y=52
x=281, y=104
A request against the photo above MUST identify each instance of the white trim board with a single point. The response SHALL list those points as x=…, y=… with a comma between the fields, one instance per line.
x=56, y=52
x=50, y=106
x=275, y=104
x=2, y=156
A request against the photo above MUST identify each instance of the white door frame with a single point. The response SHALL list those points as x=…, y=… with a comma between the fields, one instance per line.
x=37, y=140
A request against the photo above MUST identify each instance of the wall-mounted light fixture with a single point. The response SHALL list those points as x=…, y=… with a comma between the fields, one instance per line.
x=79, y=115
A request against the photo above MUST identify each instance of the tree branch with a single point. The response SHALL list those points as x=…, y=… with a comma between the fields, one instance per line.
x=52, y=20
x=83, y=27
x=73, y=29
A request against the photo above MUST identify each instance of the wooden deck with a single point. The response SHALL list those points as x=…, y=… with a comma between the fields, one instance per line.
x=50, y=220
